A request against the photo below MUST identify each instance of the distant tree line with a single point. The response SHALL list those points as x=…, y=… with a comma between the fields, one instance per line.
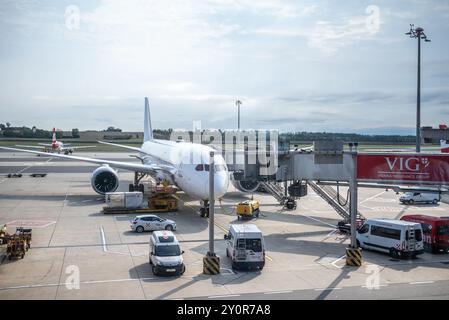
x=9, y=131
x=24, y=132
x=345, y=137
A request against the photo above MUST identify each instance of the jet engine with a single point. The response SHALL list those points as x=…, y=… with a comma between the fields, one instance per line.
x=104, y=179
x=246, y=186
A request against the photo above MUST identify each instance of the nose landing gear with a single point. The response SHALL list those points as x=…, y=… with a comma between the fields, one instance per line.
x=204, y=210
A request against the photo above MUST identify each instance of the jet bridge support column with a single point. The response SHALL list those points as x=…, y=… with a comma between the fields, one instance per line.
x=211, y=262
x=353, y=253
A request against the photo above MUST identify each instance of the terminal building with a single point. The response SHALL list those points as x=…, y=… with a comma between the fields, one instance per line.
x=434, y=135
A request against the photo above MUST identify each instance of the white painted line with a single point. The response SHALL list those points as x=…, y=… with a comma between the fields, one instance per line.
x=278, y=292
x=421, y=282
x=334, y=263
x=328, y=289
x=226, y=296
x=373, y=197
x=325, y=223
x=379, y=286
x=103, y=239
x=82, y=282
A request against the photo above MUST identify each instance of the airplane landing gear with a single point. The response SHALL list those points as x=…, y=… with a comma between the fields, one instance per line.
x=137, y=186
x=204, y=210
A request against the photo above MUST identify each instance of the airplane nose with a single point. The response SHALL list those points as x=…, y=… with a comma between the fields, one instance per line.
x=221, y=184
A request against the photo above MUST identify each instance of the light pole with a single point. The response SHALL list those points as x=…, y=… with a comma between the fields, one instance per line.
x=238, y=103
x=418, y=33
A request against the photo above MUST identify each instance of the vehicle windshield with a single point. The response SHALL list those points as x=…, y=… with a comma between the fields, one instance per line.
x=443, y=230
x=167, y=251
x=251, y=244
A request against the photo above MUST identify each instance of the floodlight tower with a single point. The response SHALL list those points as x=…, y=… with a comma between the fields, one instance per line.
x=418, y=33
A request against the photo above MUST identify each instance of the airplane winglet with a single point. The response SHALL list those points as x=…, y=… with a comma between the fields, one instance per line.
x=148, y=129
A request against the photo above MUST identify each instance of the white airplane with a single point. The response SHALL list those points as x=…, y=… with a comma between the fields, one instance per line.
x=183, y=164
x=55, y=146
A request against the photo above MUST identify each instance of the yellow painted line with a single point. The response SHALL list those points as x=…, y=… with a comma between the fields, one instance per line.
x=269, y=258
x=222, y=228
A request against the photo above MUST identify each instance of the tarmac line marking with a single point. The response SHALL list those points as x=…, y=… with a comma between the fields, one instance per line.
x=105, y=246
x=221, y=228
x=325, y=223
x=373, y=197
x=339, y=259
x=328, y=289
x=278, y=292
x=378, y=286
x=224, y=296
x=421, y=282
x=103, y=239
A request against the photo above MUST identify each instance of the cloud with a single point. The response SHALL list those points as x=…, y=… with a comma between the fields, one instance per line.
x=325, y=35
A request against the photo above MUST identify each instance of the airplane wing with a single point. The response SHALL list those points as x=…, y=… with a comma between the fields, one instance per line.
x=123, y=146
x=45, y=144
x=24, y=146
x=144, y=168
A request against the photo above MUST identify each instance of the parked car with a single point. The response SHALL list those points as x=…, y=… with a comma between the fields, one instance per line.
x=245, y=245
x=165, y=254
x=152, y=223
x=435, y=230
x=419, y=197
x=398, y=238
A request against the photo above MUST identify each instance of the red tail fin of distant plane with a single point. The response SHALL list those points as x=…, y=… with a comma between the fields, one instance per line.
x=444, y=146
x=53, y=139
x=443, y=126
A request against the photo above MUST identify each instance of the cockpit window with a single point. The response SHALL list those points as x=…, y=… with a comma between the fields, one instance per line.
x=218, y=167
x=205, y=167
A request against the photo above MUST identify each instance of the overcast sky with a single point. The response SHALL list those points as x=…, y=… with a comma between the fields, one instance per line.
x=336, y=66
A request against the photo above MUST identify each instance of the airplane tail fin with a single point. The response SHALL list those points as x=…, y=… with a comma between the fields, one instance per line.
x=444, y=146
x=148, y=129
x=53, y=139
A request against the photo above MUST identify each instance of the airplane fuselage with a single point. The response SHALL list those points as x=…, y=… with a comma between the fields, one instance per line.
x=191, y=166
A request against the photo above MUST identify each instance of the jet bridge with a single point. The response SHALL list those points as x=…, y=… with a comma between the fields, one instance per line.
x=328, y=163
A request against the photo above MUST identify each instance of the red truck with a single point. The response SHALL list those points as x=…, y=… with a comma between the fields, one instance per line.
x=435, y=232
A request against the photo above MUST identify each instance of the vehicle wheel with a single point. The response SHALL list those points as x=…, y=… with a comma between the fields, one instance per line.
x=169, y=228
x=394, y=253
x=411, y=202
x=435, y=201
x=183, y=270
x=140, y=229
x=154, y=270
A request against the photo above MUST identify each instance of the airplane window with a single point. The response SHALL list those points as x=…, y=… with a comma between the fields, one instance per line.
x=218, y=167
x=199, y=167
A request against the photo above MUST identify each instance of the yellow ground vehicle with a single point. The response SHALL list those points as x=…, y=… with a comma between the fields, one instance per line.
x=248, y=209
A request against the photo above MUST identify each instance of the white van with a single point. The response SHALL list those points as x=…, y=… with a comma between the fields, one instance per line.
x=398, y=238
x=419, y=197
x=165, y=254
x=245, y=246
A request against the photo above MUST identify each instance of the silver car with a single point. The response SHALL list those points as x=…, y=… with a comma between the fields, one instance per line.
x=152, y=223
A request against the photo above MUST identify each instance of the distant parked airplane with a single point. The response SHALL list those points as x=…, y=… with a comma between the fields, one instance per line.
x=55, y=146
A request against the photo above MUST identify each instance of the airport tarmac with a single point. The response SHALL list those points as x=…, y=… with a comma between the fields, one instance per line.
x=305, y=253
